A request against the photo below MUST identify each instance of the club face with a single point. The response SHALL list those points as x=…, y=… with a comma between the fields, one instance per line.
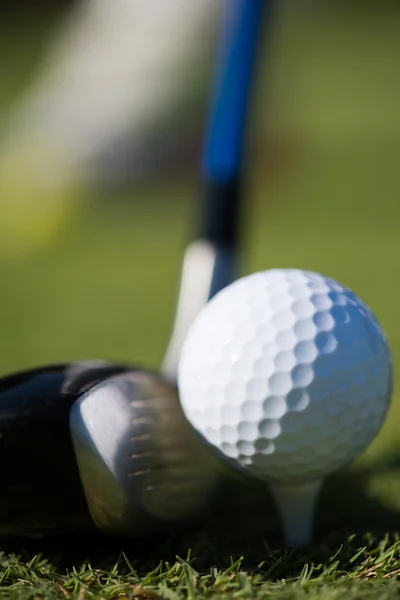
x=141, y=464
x=41, y=490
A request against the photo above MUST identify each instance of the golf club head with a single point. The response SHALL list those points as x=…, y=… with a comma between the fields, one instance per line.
x=41, y=490
x=141, y=464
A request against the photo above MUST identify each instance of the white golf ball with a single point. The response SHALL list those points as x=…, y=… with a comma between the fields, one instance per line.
x=287, y=374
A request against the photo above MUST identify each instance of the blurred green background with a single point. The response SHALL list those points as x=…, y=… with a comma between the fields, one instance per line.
x=323, y=194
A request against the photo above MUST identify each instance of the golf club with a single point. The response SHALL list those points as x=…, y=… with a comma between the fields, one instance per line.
x=139, y=462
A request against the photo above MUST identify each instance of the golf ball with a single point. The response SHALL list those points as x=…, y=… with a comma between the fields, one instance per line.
x=287, y=374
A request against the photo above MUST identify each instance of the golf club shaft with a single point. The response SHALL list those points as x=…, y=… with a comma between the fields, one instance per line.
x=210, y=261
x=222, y=162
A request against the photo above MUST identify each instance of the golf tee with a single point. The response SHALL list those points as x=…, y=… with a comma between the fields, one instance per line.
x=296, y=507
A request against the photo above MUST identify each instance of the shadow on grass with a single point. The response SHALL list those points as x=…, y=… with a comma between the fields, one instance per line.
x=244, y=523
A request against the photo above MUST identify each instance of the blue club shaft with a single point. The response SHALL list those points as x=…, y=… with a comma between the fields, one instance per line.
x=222, y=164
x=242, y=22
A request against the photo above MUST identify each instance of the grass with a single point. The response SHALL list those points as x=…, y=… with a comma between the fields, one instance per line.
x=369, y=570
x=107, y=289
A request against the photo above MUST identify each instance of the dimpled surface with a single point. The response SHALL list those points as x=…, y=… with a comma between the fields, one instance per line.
x=287, y=374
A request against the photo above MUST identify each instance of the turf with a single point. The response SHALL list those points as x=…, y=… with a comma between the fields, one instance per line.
x=368, y=569
x=326, y=199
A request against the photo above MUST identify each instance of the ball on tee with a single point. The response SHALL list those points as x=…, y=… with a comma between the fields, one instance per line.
x=287, y=374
